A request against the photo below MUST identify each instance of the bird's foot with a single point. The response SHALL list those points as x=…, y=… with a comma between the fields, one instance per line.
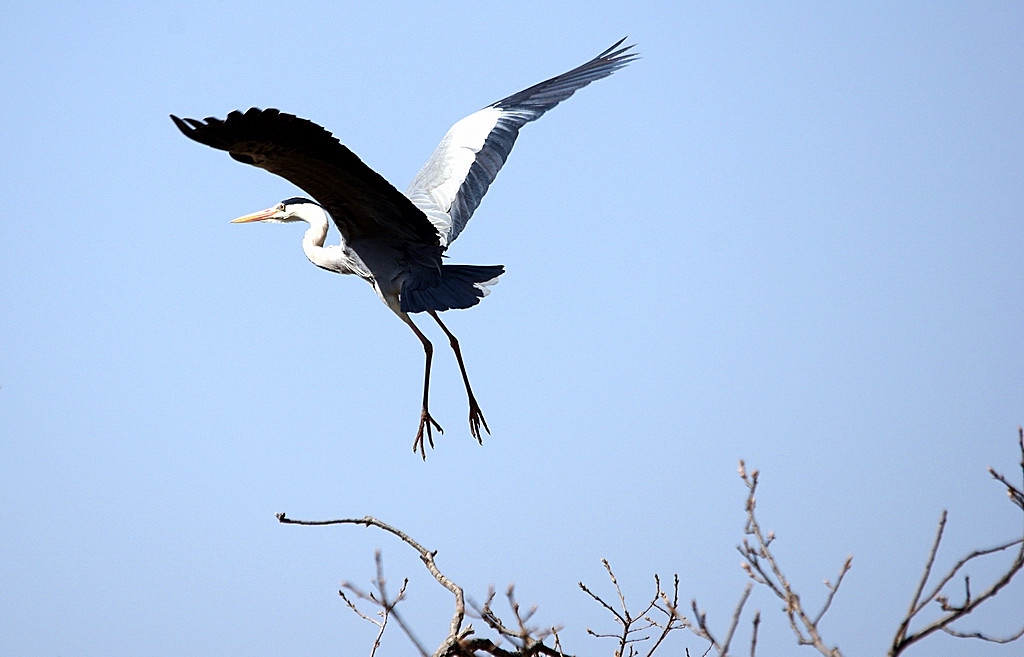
x=426, y=422
x=476, y=418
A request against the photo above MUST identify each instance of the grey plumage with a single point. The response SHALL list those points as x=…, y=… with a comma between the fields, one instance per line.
x=392, y=240
x=495, y=128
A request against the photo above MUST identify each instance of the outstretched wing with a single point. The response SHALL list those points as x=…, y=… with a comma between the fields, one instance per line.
x=361, y=202
x=455, y=178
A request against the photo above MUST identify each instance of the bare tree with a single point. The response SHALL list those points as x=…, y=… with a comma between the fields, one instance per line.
x=524, y=640
x=642, y=631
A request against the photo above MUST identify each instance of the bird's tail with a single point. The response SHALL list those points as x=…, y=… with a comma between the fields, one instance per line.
x=458, y=286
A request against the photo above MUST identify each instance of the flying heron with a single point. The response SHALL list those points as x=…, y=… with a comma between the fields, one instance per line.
x=393, y=241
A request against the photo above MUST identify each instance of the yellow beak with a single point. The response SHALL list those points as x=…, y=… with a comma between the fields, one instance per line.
x=262, y=215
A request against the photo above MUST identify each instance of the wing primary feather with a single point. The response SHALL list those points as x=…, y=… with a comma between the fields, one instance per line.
x=361, y=202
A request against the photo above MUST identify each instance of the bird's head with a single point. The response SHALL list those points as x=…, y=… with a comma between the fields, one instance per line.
x=287, y=211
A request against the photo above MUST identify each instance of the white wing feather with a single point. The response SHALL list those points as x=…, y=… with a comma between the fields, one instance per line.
x=452, y=183
x=436, y=186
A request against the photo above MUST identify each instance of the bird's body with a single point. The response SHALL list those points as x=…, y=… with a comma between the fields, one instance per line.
x=396, y=241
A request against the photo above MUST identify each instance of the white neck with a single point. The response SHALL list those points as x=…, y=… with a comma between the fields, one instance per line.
x=313, y=240
x=339, y=259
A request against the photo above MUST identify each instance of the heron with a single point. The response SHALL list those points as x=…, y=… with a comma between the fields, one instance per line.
x=396, y=241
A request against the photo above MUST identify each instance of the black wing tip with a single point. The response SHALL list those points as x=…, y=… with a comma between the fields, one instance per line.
x=542, y=96
x=619, y=55
x=193, y=128
x=189, y=126
x=251, y=112
x=184, y=127
x=219, y=133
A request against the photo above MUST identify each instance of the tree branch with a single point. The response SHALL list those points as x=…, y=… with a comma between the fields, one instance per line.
x=633, y=623
x=455, y=631
x=904, y=638
x=662, y=613
x=387, y=606
x=762, y=567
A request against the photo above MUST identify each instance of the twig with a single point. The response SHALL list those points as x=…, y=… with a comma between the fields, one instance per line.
x=753, y=636
x=953, y=612
x=832, y=590
x=674, y=621
x=1015, y=494
x=915, y=602
x=455, y=631
x=631, y=623
x=984, y=637
x=762, y=567
x=387, y=606
x=527, y=640
x=736, y=618
x=558, y=643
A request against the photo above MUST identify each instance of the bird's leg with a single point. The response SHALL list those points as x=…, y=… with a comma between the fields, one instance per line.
x=476, y=416
x=426, y=422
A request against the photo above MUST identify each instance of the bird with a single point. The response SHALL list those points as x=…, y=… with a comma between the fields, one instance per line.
x=396, y=241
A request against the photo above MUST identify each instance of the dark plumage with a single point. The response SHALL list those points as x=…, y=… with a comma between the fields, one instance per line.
x=392, y=240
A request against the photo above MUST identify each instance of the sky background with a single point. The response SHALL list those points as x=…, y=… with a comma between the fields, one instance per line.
x=789, y=233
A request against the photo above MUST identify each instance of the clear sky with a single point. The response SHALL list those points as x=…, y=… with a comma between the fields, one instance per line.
x=790, y=233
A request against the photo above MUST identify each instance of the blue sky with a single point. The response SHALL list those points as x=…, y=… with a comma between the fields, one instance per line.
x=790, y=234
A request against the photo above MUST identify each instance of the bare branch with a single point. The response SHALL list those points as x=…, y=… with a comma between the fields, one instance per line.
x=1015, y=494
x=954, y=612
x=527, y=640
x=915, y=604
x=984, y=637
x=762, y=567
x=455, y=632
x=753, y=636
x=389, y=606
x=661, y=615
x=832, y=590
x=386, y=604
x=701, y=628
x=558, y=643
x=632, y=624
x=736, y=618
x=604, y=604
x=673, y=620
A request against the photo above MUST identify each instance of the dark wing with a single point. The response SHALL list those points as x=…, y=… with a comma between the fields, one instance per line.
x=455, y=178
x=361, y=202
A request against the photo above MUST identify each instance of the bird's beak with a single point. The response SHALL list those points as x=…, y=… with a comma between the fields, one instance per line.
x=262, y=215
